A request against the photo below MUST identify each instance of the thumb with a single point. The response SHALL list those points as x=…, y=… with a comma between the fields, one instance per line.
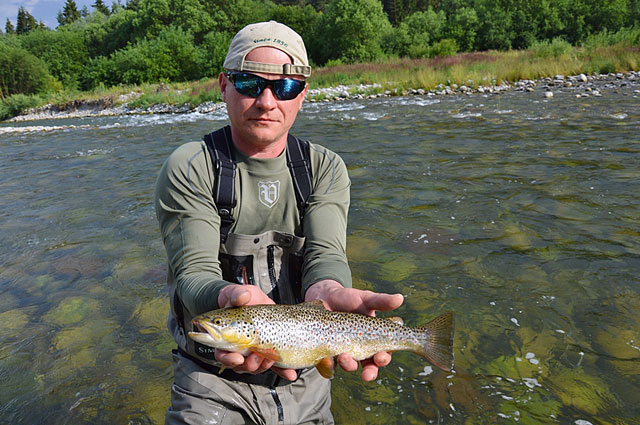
x=240, y=297
x=382, y=302
x=233, y=296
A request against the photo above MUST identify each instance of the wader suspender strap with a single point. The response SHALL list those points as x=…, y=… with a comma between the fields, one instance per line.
x=224, y=164
x=221, y=151
x=300, y=169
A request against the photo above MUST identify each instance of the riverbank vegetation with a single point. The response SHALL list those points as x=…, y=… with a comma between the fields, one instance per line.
x=170, y=51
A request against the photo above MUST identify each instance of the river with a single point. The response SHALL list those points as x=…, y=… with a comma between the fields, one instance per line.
x=520, y=214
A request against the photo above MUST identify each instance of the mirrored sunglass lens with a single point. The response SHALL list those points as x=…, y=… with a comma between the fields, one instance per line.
x=249, y=85
x=252, y=85
x=288, y=89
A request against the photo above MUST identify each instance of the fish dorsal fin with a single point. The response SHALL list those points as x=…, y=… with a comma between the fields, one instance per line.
x=317, y=304
x=396, y=319
x=326, y=366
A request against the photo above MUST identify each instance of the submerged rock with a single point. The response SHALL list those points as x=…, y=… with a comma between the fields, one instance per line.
x=582, y=391
x=72, y=310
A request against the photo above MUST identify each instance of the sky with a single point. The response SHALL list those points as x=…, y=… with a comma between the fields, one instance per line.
x=43, y=10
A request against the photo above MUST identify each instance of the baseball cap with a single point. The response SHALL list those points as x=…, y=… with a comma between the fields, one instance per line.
x=269, y=34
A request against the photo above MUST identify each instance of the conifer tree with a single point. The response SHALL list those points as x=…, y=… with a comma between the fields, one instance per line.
x=69, y=13
x=8, y=28
x=26, y=22
x=101, y=7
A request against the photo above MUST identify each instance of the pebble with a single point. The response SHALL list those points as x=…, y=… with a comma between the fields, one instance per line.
x=548, y=94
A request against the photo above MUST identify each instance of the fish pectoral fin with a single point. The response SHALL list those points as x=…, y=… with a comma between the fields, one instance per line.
x=326, y=366
x=268, y=353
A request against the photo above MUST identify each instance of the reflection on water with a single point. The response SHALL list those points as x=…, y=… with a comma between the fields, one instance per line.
x=517, y=213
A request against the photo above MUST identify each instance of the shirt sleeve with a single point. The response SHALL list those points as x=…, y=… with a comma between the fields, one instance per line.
x=325, y=220
x=190, y=225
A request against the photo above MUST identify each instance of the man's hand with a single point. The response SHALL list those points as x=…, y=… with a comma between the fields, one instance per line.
x=338, y=298
x=237, y=296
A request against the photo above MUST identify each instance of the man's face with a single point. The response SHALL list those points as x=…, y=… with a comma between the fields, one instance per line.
x=263, y=122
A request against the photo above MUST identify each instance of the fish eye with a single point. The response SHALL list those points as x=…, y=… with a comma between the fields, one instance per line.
x=217, y=321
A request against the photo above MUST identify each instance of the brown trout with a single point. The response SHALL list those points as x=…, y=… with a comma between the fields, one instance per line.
x=307, y=334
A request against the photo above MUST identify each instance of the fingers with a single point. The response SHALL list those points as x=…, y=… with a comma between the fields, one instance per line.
x=289, y=374
x=239, y=295
x=253, y=363
x=338, y=298
x=370, y=366
x=382, y=359
x=229, y=359
x=382, y=302
x=363, y=302
x=369, y=370
x=347, y=362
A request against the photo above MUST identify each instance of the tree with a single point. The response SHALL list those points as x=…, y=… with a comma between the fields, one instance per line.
x=21, y=72
x=26, y=22
x=495, y=30
x=8, y=28
x=101, y=7
x=462, y=27
x=69, y=13
x=351, y=30
x=301, y=20
x=63, y=51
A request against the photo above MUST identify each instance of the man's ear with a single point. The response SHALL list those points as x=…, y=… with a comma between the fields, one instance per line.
x=222, y=82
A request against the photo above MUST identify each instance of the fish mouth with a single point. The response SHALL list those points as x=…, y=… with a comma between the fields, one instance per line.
x=204, y=327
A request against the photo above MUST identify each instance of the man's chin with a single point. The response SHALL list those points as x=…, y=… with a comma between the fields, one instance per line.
x=264, y=134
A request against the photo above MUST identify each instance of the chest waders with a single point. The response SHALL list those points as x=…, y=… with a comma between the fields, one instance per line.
x=271, y=260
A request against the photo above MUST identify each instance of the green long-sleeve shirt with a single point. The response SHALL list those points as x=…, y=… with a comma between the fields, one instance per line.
x=190, y=224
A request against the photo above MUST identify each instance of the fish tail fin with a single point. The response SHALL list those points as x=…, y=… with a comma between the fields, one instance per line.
x=437, y=341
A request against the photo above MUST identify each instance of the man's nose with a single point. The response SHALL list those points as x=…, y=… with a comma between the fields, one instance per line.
x=267, y=99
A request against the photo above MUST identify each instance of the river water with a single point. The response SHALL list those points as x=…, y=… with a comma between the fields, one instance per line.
x=518, y=213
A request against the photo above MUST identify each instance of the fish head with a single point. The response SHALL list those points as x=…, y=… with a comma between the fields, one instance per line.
x=219, y=329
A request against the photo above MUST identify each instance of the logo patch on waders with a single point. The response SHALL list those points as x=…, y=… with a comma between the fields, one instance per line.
x=269, y=192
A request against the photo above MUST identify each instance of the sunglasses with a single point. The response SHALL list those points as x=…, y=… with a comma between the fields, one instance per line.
x=252, y=85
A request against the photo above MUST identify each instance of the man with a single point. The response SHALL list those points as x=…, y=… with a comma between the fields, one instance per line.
x=237, y=232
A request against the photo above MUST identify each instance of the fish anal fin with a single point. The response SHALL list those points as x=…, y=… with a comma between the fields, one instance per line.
x=268, y=353
x=326, y=366
x=396, y=319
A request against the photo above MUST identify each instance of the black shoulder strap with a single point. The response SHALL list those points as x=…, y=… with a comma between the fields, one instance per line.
x=220, y=147
x=299, y=163
x=224, y=164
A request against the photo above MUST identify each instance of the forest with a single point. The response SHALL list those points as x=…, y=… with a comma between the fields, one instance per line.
x=146, y=41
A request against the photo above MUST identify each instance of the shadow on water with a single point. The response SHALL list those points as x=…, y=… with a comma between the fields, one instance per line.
x=516, y=213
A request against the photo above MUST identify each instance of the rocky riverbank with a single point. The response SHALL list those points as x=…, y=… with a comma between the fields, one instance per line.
x=581, y=85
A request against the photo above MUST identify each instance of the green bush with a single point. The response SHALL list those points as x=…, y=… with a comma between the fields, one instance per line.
x=302, y=20
x=172, y=56
x=14, y=105
x=495, y=30
x=212, y=53
x=63, y=51
x=104, y=35
x=414, y=35
x=444, y=47
x=627, y=37
x=462, y=26
x=554, y=49
x=23, y=73
x=351, y=30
